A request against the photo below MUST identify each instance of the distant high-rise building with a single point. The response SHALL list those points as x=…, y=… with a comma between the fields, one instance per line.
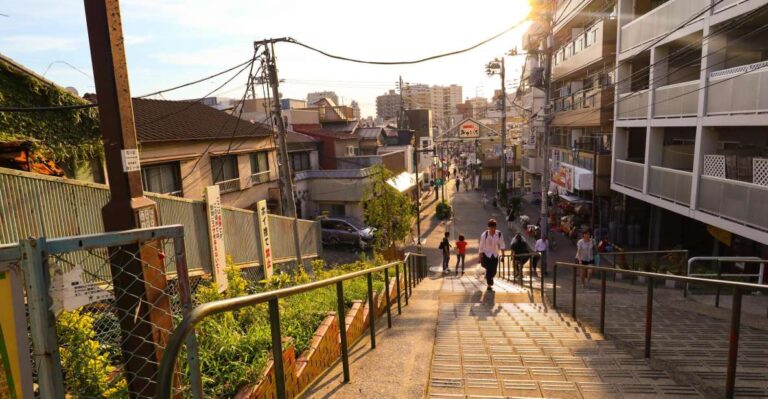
x=318, y=95
x=355, y=109
x=444, y=101
x=387, y=105
x=417, y=96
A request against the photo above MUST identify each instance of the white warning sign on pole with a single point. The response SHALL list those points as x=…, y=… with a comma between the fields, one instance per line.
x=70, y=291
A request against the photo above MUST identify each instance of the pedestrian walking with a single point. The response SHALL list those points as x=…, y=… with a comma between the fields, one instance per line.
x=461, y=253
x=485, y=200
x=519, y=247
x=458, y=184
x=445, y=247
x=585, y=255
x=510, y=218
x=491, y=242
x=541, y=246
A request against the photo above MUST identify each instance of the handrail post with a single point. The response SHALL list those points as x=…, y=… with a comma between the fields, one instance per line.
x=554, y=286
x=386, y=295
x=719, y=275
x=530, y=274
x=343, y=329
x=277, y=348
x=602, y=302
x=733, y=344
x=573, y=293
x=685, y=270
x=405, y=278
x=371, y=310
x=397, y=288
x=648, y=318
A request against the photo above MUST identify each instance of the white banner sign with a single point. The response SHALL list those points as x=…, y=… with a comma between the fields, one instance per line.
x=70, y=292
x=266, y=243
x=216, y=236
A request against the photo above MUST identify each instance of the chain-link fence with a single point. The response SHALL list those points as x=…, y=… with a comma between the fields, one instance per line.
x=102, y=308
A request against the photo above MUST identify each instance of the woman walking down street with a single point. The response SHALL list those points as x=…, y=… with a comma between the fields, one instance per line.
x=445, y=248
x=491, y=243
x=461, y=253
x=585, y=255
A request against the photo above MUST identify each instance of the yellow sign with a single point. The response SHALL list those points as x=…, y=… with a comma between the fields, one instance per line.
x=15, y=370
x=266, y=242
x=720, y=234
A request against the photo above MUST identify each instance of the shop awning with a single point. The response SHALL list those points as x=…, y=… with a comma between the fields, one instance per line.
x=404, y=182
x=574, y=199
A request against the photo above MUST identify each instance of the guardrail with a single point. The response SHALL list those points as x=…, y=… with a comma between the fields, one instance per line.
x=633, y=255
x=733, y=339
x=414, y=269
x=719, y=274
x=510, y=264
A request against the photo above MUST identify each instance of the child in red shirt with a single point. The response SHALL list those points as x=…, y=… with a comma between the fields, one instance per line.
x=461, y=251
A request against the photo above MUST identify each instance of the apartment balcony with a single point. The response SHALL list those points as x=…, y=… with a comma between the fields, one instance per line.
x=670, y=184
x=659, y=21
x=735, y=200
x=628, y=174
x=739, y=90
x=676, y=100
x=564, y=13
x=533, y=165
x=333, y=174
x=259, y=178
x=633, y=105
x=596, y=43
x=583, y=108
x=228, y=186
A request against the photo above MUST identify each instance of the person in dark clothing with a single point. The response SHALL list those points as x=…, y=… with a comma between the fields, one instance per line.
x=445, y=247
x=519, y=247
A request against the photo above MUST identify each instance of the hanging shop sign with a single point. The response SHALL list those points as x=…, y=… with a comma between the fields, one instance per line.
x=216, y=236
x=266, y=241
x=469, y=129
x=563, y=177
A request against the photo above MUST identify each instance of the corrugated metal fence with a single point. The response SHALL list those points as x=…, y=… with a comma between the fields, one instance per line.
x=35, y=205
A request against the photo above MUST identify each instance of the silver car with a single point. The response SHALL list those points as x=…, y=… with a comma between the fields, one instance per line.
x=346, y=231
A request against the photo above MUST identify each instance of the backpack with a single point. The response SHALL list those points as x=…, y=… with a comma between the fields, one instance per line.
x=485, y=234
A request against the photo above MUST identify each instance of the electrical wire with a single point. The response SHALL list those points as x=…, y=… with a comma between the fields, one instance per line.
x=434, y=57
x=209, y=77
x=48, y=109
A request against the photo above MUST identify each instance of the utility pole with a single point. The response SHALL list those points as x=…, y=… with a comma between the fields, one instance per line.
x=137, y=271
x=289, y=202
x=548, y=44
x=504, y=133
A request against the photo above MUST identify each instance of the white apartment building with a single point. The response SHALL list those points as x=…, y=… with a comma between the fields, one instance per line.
x=691, y=120
x=417, y=96
x=387, y=105
x=444, y=101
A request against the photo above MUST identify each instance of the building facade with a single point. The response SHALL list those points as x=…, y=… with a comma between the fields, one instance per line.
x=312, y=98
x=388, y=105
x=690, y=149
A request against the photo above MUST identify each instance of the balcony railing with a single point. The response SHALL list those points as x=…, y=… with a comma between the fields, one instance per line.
x=659, y=21
x=227, y=186
x=333, y=174
x=633, y=105
x=629, y=174
x=670, y=184
x=587, y=48
x=676, y=100
x=739, y=90
x=260, y=177
x=738, y=201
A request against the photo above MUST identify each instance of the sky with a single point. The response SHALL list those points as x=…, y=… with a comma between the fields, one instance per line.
x=169, y=42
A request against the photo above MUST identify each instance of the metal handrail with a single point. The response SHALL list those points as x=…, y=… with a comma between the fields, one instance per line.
x=196, y=315
x=719, y=274
x=733, y=340
x=505, y=264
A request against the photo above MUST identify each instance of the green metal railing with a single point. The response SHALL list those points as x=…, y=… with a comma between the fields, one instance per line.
x=738, y=290
x=414, y=268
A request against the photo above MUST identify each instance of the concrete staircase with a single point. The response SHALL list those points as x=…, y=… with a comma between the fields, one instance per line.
x=499, y=344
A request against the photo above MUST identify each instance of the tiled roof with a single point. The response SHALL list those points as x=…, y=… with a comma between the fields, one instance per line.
x=341, y=126
x=314, y=130
x=162, y=120
x=294, y=137
x=368, y=132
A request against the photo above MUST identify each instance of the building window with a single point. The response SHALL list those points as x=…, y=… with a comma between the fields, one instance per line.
x=225, y=173
x=300, y=161
x=259, y=167
x=162, y=179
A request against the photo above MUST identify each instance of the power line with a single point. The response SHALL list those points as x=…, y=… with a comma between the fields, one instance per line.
x=338, y=57
x=47, y=109
x=197, y=81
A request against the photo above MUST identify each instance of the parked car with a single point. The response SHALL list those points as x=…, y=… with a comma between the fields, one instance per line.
x=346, y=231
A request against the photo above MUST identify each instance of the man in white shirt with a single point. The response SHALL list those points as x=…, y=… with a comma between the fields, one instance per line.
x=491, y=242
x=541, y=246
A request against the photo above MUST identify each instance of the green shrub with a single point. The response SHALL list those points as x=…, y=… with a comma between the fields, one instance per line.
x=443, y=210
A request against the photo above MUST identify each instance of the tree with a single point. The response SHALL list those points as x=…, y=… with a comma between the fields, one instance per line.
x=387, y=210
